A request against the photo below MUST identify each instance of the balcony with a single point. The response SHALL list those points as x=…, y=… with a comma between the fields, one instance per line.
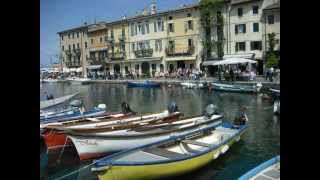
x=96, y=61
x=181, y=52
x=116, y=56
x=122, y=38
x=143, y=53
x=72, y=64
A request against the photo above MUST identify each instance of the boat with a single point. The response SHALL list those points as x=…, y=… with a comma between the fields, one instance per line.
x=173, y=156
x=72, y=113
x=56, y=101
x=55, y=137
x=237, y=88
x=146, y=84
x=98, y=144
x=276, y=107
x=75, y=80
x=50, y=80
x=267, y=170
x=190, y=85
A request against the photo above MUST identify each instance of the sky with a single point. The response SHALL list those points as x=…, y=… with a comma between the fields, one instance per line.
x=59, y=15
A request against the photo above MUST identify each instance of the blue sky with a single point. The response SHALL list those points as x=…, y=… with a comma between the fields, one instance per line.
x=58, y=15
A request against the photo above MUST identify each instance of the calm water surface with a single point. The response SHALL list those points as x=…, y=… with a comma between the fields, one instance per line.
x=261, y=142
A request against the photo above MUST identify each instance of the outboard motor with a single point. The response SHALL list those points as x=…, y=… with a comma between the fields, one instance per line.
x=173, y=107
x=241, y=118
x=126, y=108
x=211, y=110
x=76, y=103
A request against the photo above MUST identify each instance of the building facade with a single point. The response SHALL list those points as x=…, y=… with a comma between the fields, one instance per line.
x=153, y=42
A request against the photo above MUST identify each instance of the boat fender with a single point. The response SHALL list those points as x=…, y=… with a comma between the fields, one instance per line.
x=224, y=149
x=103, y=168
x=216, y=155
x=237, y=138
x=102, y=106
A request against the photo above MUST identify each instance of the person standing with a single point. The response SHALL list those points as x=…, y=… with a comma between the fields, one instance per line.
x=271, y=74
x=232, y=74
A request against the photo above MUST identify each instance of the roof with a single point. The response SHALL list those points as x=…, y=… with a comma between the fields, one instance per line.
x=233, y=2
x=273, y=6
x=79, y=28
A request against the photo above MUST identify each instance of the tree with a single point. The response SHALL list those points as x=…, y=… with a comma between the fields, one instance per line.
x=271, y=57
x=208, y=12
x=271, y=60
x=272, y=41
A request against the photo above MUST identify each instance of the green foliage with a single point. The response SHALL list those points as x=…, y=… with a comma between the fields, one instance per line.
x=271, y=60
x=272, y=41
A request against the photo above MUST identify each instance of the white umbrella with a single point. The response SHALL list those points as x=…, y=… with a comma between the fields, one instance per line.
x=234, y=61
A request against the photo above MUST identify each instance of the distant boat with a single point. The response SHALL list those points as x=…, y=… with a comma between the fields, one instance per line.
x=147, y=84
x=190, y=85
x=267, y=170
x=173, y=156
x=53, y=102
x=237, y=88
x=75, y=80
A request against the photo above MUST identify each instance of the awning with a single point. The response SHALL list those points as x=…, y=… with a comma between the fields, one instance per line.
x=233, y=61
x=135, y=60
x=208, y=63
x=192, y=58
x=79, y=69
x=98, y=49
x=246, y=56
x=92, y=67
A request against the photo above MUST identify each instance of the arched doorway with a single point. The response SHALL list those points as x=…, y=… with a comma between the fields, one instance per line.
x=161, y=68
x=181, y=64
x=145, y=68
x=116, y=68
x=171, y=68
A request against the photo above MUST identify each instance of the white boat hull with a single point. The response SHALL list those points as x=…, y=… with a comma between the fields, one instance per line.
x=95, y=146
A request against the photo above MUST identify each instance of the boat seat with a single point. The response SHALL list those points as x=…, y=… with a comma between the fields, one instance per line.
x=196, y=143
x=164, y=153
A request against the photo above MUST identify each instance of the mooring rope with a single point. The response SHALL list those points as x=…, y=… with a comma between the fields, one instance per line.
x=76, y=171
x=65, y=142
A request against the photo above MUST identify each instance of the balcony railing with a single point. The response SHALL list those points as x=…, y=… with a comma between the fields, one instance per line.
x=71, y=64
x=116, y=56
x=181, y=52
x=122, y=38
x=143, y=53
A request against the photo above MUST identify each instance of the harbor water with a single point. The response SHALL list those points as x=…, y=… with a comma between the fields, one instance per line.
x=260, y=143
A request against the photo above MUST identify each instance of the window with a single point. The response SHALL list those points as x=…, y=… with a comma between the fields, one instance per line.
x=132, y=29
x=190, y=25
x=112, y=35
x=106, y=38
x=240, y=46
x=139, y=28
x=171, y=46
x=240, y=28
x=62, y=48
x=62, y=37
x=158, y=45
x=100, y=39
x=147, y=27
x=155, y=26
x=256, y=45
x=171, y=27
x=255, y=27
x=72, y=35
x=78, y=47
x=86, y=45
x=77, y=34
x=170, y=18
x=189, y=15
x=190, y=43
x=69, y=47
x=162, y=26
x=91, y=41
x=68, y=36
x=255, y=9
x=240, y=12
x=270, y=19
x=143, y=29
x=73, y=46
x=133, y=46
x=135, y=29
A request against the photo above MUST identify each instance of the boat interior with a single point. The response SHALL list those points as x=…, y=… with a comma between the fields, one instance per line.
x=189, y=146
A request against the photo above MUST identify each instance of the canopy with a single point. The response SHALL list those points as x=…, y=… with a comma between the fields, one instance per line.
x=91, y=67
x=234, y=61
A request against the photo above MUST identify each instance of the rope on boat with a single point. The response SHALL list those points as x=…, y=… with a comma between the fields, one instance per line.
x=76, y=171
x=60, y=155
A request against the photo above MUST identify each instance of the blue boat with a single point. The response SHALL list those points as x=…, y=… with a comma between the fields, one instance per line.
x=146, y=84
x=236, y=88
x=267, y=170
x=71, y=114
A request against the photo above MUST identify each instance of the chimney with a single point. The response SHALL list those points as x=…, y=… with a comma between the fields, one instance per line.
x=153, y=7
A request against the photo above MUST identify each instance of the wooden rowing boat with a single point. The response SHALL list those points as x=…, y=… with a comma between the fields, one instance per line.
x=173, y=156
x=97, y=144
x=55, y=137
x=53, y=102
x=236, y=88
x=267, y=170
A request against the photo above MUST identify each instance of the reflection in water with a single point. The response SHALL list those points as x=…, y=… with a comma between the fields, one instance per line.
x=261, y=141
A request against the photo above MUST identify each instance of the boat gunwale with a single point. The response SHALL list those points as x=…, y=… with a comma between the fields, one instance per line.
x=108, y=161
x=260, y=168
